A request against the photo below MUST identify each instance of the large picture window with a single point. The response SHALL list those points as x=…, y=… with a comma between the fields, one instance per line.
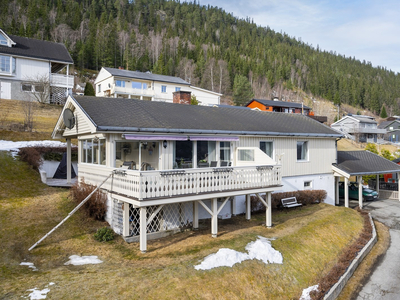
x=267, y=148
x=120, y=83
x=136, y=85
x=302, y=150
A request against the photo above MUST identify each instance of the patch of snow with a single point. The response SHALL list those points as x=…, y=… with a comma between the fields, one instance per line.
x=77, y=260
x=29, y=264
x=14, y=146
x=306, y=292
x=260, y=249
x=39, y=294
x=223, y=258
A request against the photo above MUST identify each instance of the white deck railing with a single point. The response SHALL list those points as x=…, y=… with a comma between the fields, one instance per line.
x=62, y=80
x=180, y=182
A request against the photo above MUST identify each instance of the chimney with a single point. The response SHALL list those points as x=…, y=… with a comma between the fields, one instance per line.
x=181, y=97
x=120, y=68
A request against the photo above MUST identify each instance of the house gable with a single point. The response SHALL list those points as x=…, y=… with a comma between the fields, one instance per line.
x=5, y=40
x=83, y=123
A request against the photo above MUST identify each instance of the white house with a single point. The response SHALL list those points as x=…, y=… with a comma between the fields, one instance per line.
x=363, y=129
x=30, y=67
x=170, y=164
x=121, y=83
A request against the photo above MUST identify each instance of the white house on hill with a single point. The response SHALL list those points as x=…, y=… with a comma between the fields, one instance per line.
x=119, y=83
x=31, y=67
x=169, y=165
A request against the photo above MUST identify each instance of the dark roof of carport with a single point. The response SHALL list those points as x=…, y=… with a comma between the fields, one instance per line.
x=364, y=163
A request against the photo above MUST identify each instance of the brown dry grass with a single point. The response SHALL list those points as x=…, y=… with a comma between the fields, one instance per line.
x=12, y=117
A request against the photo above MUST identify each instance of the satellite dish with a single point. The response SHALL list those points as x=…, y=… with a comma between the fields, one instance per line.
x=69, y=118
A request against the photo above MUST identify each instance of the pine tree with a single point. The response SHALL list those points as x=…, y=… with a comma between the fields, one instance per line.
x=242, y=91
x=383, y=112
x=89, y=90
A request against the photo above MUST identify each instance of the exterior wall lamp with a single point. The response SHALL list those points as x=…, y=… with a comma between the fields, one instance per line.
x=164, y=143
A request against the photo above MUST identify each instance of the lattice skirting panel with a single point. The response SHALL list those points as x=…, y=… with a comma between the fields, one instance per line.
x=117, y=216
x=170, y=217
x=58, y=95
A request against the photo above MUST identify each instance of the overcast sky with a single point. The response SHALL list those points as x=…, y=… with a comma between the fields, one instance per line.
x=367, y=29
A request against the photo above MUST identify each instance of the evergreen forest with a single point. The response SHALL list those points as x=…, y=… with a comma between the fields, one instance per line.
x=202, y=44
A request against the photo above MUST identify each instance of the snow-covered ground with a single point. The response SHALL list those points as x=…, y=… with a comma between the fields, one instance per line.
x=29, y=264
x=260, y=249
x=306, y=292
x=39, y=294
x=77, y=260
x=14, y=146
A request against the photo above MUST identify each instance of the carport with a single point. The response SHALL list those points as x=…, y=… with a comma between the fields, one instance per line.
x=360, y=163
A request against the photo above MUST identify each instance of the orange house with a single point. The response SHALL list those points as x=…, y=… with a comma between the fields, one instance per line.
x=280, y=106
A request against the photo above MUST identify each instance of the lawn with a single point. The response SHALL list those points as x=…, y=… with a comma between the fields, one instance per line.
x=309, y=239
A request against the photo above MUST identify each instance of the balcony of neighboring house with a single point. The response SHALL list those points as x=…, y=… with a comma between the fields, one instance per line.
x=130, y=90
x=366, y=130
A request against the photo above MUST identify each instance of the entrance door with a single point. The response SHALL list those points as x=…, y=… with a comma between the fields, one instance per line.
x=5, y=90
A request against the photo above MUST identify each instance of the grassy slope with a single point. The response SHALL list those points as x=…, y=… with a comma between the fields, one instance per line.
x=309, y=240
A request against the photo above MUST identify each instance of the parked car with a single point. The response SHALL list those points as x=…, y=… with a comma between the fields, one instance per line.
x=368, y=194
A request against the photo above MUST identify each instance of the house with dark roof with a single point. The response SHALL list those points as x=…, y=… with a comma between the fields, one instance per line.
x=164, y=166
x=392, y=128
x=34, y=69
x=362, y=129
x=120, y=83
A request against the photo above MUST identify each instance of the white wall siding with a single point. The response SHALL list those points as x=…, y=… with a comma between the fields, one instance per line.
x=321, y=156
x=31, y=69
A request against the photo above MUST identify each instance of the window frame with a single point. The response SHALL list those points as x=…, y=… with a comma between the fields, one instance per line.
x=308, y=184
x=9, y=63
x=272, y=148
x=163, y=89
x=306, y=158
x=120, y=83
x=24, y=86
x=138, y=83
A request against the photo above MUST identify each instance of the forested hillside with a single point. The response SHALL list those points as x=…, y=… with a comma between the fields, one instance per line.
x=202, y=44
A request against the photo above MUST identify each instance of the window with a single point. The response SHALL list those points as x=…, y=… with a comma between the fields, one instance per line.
x=93, y=151
x=246, y=155
x=267, y=148
x=136, y=85
x=177, y=89
x=307, y=184
x=39, y=88
x=163, y=89
x=3, y=40
x=7, y=64
x=225, y=151
x=120, y=83
x=99, y=88
x=26, y=87
x=144, y=86
x=302, y=151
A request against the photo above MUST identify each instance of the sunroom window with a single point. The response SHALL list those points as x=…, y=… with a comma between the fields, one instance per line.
x=93, y=151
x=7, y=64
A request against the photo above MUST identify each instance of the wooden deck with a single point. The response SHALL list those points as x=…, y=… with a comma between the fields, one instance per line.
x=60, y=182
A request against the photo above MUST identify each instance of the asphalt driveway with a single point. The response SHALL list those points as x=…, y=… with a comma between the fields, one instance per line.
x=384, y=282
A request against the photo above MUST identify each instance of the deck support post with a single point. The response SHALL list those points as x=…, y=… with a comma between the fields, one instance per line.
x=337, y=190
x=377, y=184
x=398, y=184
x=268, y=211
x=214, y=217
x=69, y=171
x=248, y=207
x=125, y=219
x=143, y=229
x=195, y=215
x=233, y=206
x=360, y=193
x=346, y=192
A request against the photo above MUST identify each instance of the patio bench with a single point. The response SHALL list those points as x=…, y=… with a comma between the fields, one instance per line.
x=290, y=202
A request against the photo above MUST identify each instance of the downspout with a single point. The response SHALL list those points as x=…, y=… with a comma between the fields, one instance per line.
x=336, y=141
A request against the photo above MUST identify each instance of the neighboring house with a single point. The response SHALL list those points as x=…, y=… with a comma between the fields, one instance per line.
x=362, y=129
x=176, y=163
x=285, y=107
x=119, y=83
x=393, y=130
x=31, y=68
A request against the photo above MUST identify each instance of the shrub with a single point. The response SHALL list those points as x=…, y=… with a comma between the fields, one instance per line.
x=104, y=234
x=31, y=156
x=304, y=197
x=96, y=206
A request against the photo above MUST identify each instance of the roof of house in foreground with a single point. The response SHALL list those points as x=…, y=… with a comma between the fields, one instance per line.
x=145, y=76
x=130, y=115
x=33, y=48
x=364, y=163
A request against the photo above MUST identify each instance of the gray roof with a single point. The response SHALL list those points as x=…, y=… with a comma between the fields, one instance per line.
x=34, y=48
x=146, y=76
x=363, y=119
x=130, y=115
x=364, y=163
x=279, y=103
